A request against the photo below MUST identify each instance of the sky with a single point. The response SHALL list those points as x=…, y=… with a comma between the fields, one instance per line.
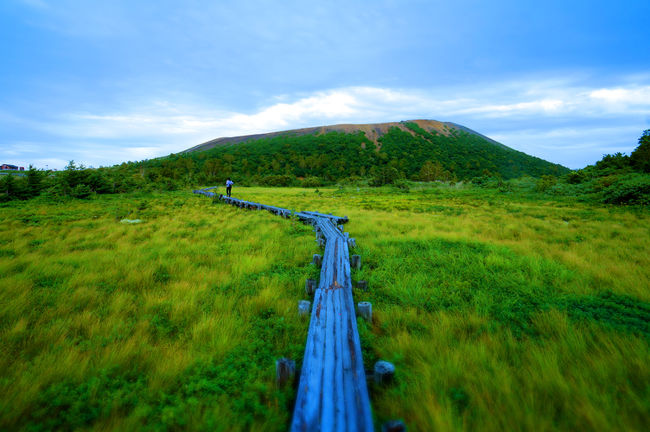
x=102, y=82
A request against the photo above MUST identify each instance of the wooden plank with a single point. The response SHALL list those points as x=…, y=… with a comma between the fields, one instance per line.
x=332, y=391
x=340, y=400
x=203, y=192
x=338, y=219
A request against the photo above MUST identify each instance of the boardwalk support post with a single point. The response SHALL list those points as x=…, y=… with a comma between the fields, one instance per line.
x=362, y=285
x=285, y=369
x=384, y=372
x=352, y=243
x=317, y=260
x=365, y=310
x=303, y=308
x=355, y=262
x=393, y=426
x=310, y=287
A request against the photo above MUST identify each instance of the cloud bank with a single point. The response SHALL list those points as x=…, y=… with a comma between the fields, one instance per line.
x=557, y=120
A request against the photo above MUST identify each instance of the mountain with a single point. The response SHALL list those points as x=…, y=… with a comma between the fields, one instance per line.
x=415, y=149
x=373, y=132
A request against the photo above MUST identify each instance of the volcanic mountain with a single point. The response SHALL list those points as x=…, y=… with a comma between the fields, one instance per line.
x=359, y=150
x=373, y=132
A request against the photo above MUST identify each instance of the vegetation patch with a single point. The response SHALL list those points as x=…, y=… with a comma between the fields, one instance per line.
x=487, y=302
x=618, y=312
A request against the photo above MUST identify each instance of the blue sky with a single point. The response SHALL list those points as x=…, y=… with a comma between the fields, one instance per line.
x=102, y=82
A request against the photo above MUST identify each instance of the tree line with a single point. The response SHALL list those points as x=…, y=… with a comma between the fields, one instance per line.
x=335, y=157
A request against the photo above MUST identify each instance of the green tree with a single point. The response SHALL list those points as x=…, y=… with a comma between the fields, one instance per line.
x=383, y=175
x=640, y=157
x=97, y=182
x=34, y=181
x=8, y=187
x=545, y=183
x=432, y=171
x=617, y=161
x=74, y=175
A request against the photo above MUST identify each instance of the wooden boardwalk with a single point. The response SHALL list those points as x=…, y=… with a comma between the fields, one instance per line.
x=332, y=390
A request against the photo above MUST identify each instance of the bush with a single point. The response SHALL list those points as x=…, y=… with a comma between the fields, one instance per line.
x=604, y=182
x=402, y=185
x=485, y=181
x=545, y=183
x=640, y=157
x=615, y=162
x=632, y=189
x=353, y=181
x=576, y=177
x=12, y=188
x=98, y=182
x=312, y=182
x=383, y=175
x=277, y=180
x=81, y=191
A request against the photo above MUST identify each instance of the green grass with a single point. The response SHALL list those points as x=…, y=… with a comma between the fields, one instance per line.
x=500, y=311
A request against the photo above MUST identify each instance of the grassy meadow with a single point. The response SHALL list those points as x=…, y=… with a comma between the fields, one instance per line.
x=500, y=311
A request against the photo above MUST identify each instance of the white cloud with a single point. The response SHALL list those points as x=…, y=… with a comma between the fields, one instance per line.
x=622, y=96
x=546, y=106
x=569, y=124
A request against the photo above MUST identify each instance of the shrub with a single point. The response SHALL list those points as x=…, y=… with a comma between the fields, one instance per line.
x=402, y=185
x=605, y=182
x=545, y=183
x=617, y=161
x=485, y=181
x=383, y=175
x=432, y=171
x=11, y=188
x=632, y=189
x=576, y=177
x=312, y=182
x=352, y=181
x=277, y=180
x=82, y=191
x=640, y=157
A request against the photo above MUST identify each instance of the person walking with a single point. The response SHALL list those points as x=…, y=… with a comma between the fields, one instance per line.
x=229, y=184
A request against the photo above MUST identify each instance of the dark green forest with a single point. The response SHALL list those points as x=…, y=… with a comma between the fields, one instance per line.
x=344, y=159
x=337, y=156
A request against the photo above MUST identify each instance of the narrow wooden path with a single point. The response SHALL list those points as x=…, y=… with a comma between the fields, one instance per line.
x=332, y=390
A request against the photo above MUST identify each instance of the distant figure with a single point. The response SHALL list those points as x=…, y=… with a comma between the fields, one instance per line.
x=229, y=184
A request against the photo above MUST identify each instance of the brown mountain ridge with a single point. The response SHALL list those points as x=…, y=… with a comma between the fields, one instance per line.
x=373, y=132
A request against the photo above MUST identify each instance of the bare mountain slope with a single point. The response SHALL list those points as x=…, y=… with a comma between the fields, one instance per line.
x=373, y=131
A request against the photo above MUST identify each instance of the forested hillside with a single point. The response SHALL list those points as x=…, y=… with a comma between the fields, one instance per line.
x=409, y=152
x=400, y=156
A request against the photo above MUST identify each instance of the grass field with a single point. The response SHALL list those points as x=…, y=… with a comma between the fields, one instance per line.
x=499, y=311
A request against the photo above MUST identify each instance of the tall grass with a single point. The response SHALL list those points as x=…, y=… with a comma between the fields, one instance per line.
x=500, y=311
x=172, y=322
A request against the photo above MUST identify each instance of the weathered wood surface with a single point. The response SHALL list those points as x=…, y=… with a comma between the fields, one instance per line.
x=336, y=219
x=204, y=192
x=332, y=390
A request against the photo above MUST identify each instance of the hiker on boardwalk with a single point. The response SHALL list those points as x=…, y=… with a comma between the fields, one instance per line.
x=229, y=184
